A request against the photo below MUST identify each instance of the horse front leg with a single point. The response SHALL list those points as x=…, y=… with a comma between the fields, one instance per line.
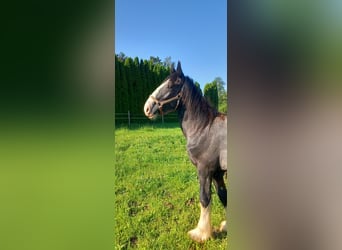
x=203, y=231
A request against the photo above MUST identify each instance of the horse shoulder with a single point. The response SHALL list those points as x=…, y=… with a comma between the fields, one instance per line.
x=195, y=147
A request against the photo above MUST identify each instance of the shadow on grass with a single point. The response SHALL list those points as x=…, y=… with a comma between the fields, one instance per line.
x=219, y=235
x=148, y=126
x=216, y=236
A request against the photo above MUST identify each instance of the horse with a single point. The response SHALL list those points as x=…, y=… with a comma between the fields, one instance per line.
x=205, y=130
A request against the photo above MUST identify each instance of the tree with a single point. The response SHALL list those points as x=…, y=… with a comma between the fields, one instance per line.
x=155, y=60
x=222, y=94
x=137, y=87
x=129, y=77
x=135, y=80
x=211, y=94
x=167, y=62
x=124, y=90
x=121, y=57
x=143, y=77
x=148, y=77
x=117, y=86
x=198, y=87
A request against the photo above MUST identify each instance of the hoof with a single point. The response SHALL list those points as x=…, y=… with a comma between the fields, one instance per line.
x=223, y=226
x=199, y=235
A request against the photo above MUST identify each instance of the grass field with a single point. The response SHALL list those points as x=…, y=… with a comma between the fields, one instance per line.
x=157, y=191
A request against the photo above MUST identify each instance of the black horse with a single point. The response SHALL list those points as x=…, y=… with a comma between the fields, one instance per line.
x=205, y=130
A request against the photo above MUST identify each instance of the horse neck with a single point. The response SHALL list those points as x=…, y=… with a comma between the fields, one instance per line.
x=194, y=115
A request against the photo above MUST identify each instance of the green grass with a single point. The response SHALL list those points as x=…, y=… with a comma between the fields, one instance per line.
x=157, y=191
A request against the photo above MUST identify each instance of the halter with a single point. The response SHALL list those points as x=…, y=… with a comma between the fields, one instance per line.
x=161, y=103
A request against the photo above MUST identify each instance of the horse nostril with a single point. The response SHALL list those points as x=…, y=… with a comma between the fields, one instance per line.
x=147, y=110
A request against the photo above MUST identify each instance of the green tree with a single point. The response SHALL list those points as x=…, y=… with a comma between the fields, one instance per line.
x=137, y=88
x=211, y=94
x=155, y=60
x=123, y=98
x=117, y=85
x=143, y=78
x=135, y=80
x=222, y=94
x=128, y=65
x=198, y=87
x=121, y=57
x=167, y=62
x=148, y=76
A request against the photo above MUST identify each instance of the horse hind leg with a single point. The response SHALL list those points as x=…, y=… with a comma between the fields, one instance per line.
x=221, y=191
x=220, y=187
x=223, y=225
x=203, y=231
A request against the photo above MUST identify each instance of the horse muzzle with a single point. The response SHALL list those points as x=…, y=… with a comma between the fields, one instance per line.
x=151, y=108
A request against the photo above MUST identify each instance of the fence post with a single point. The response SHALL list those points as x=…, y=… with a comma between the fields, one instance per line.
x=129, y=119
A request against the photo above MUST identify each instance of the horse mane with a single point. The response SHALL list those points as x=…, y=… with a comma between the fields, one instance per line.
x=197, y=104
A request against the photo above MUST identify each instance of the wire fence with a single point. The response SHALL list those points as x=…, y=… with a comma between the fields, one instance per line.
x=131, y=118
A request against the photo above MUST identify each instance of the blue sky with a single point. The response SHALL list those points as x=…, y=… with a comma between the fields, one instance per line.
x=193, y=32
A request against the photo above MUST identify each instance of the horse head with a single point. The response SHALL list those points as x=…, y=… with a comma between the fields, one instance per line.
x=167, y=96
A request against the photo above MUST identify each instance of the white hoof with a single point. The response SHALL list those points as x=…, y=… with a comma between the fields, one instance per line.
x=199, y=235
x=223, y=226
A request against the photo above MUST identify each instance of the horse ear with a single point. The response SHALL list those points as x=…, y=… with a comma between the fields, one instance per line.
x=172, y=69
x=179, y=68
